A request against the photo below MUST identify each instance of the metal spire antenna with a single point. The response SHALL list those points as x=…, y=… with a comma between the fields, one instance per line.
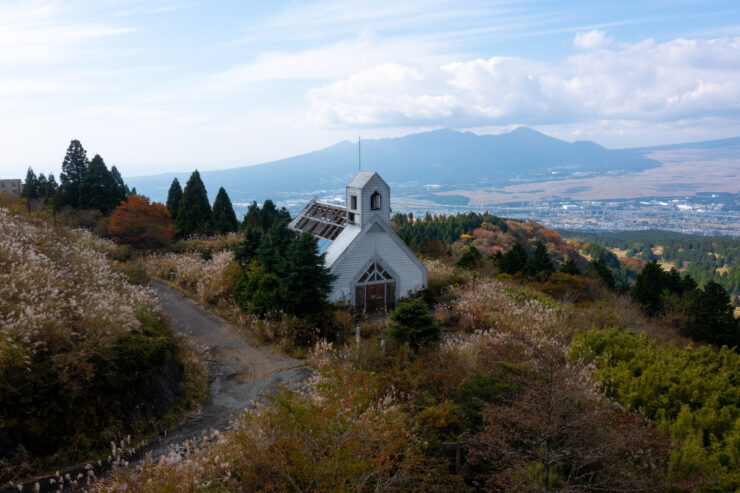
x=359, y=153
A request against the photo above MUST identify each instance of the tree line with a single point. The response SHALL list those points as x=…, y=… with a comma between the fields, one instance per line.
x=84, y=184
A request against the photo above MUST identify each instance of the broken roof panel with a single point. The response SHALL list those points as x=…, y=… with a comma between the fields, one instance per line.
x=321, y=219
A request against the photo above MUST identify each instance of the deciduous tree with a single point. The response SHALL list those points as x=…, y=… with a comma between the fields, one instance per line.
x=142, y=224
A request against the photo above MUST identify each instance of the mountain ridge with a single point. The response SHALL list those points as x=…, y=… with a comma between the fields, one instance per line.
x=447, y=158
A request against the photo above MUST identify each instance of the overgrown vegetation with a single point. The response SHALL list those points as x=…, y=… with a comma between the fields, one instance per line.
x=692, y=394
x=84, y=356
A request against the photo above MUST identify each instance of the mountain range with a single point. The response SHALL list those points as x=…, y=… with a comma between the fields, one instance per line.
x=438, y=160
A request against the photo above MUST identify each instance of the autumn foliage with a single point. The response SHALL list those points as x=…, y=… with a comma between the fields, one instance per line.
x=141, y=224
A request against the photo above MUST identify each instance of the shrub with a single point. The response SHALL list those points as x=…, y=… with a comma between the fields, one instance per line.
x=693, y=394
x=413, y=324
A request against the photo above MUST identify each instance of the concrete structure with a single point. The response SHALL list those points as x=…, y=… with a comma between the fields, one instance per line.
x=374, y=267
x=11, y=186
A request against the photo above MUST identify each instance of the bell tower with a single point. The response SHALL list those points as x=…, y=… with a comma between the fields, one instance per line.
x=368, y=197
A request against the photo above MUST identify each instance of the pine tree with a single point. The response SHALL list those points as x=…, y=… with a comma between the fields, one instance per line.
x=194, y=211
x=714, y=319
x=30, y=189
x=174, y=195
x=99, y=189
x=307, y=282
x=252, y=219
x=246, y=251
x=412, y=323
x=514, y=260
x=74, y=168
x=224, y=218
x=470, y=259
x=540, y=262
x=570, y=267
x=122, y=190
x=649, y=286
x=602, y=270
x=267, y=214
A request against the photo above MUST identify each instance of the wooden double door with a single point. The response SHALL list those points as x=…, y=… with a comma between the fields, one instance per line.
x=376, y=297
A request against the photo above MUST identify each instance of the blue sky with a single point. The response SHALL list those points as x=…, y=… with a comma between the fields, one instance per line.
x=164, y=86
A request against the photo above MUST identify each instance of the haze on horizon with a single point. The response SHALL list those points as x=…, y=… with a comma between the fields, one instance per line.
x=165, y=86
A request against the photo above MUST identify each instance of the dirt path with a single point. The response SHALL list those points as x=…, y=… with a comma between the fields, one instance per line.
x=240, y=372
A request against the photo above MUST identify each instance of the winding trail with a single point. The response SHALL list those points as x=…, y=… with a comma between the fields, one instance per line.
x=240, y=372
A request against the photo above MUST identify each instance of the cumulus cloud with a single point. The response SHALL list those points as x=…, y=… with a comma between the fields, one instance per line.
x=645, y=81
x=591, y=40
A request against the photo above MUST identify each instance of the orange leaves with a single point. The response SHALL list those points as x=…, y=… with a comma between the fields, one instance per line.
x=141, y=224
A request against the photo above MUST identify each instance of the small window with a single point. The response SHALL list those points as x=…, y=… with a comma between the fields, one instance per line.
x=353, y=202
x=375, y=201
x=351, y=217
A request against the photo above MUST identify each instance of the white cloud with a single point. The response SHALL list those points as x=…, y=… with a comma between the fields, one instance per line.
x=646, y=81
x=591, y=40
x=36, y=31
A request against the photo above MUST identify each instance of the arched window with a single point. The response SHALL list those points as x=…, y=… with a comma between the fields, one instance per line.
x=375, y=201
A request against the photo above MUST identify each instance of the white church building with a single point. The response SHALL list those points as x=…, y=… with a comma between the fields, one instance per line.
x=374, y=267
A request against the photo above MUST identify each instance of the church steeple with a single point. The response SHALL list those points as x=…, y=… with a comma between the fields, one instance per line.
x=368, y=197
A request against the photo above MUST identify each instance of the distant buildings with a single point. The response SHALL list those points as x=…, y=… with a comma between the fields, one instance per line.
x=10, y=186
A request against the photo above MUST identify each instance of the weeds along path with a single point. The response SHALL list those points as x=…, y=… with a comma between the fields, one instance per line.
x=240, y=372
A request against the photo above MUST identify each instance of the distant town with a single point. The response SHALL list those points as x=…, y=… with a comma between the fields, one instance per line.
x=705, y=213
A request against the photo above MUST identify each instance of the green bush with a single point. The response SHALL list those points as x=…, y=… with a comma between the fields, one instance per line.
x=693, y=394
x=413, y=324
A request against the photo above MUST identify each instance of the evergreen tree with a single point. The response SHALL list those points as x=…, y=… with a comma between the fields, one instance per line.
x=514, y=260
x=174, y=195
x=570, y=267
x=121, y=190
x=246, y=251
x=540, y=262
x=194, y=211
x=470, y=259
x=30, y=190
x=714, y=318
x=602, y=270
x=412, y=323
x=307, y=282
x=253, y=218
x=648, y=288
x=271, y=253
x=224, y=218
x=98, y=189
x=267, y=214
x=74, y=168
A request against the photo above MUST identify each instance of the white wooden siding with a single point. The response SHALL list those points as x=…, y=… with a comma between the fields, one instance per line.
x=412, y=275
